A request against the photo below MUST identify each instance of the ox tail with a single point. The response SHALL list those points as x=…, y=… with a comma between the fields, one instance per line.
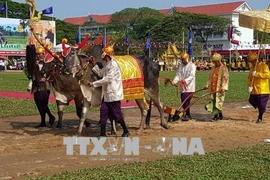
x=30, y=60
x=148, y=116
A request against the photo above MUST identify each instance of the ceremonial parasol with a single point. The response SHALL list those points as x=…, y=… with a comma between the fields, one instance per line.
x=259, y=20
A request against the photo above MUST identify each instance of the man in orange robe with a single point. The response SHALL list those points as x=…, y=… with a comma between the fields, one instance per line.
x=217, y=84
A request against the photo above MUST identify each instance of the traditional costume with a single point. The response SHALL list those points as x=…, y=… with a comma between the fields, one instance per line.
x=217, y=84
x=258, y=83
x=38, y=86
x=112, y=91
x=186, y=75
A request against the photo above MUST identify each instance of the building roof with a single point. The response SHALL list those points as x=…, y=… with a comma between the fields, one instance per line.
x=101, y=19
x=164, y=11
x=76, y=20
x=212, y=9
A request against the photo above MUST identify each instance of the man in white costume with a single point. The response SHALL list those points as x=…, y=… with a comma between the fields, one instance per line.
x=186, y=77
x=112, y=91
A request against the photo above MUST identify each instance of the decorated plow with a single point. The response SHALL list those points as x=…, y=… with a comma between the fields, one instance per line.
x=176, y=114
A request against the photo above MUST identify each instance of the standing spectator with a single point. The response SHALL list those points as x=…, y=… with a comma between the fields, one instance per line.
x=112, y=91
x=186, y=77
x=217, y=84
x=258, y=83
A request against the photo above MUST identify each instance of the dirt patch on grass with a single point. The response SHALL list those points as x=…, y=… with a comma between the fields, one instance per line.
x=29, y=152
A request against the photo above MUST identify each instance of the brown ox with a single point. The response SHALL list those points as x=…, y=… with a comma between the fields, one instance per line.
x=65, y=88
x=81, y=69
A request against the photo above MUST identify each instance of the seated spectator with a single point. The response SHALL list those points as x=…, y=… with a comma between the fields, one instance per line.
x=205, y=65
x=239, y=65
x=244, y=65
x=198, y=65
x=233, y=66
x=210, y=64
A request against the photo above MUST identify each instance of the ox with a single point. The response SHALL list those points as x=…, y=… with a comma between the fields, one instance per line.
x=65, y=88
x=77, y=65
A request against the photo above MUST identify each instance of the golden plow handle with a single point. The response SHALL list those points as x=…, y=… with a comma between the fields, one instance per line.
x=199, y=98
x=187, y=98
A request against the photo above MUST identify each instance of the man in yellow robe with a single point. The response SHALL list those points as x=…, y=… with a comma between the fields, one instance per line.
x=258, y=84
x=217, y=84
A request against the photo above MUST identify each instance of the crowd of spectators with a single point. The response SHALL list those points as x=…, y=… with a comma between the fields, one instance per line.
x=235, y=65
x=12, y=64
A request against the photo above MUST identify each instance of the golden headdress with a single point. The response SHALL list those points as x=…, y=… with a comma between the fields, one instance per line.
x=107, y=50
x=184, y=56
x=252, y=56
x=216, y=57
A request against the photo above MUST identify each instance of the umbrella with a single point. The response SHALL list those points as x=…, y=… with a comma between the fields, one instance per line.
x=259, y=20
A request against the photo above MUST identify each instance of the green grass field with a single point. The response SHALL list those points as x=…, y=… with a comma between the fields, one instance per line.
x=18, y=82
x=243, y=163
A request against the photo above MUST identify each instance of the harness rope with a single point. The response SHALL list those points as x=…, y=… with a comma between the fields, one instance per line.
x=83, y=72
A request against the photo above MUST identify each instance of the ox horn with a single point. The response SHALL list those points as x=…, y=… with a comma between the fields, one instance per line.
x=84, y=41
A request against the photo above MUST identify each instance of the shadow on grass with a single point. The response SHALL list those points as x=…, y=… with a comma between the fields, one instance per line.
x=69, y=128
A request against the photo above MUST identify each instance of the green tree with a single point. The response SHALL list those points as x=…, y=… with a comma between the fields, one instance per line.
x=15, y=10
x=202, y=25
x=136, y=21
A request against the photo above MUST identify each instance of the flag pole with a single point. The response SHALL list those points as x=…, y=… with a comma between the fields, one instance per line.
x=128, y=50
x=6, y=10
x=230, y=46
x=105, y=38
x=149, y=51
x=127, y=41
x=80, y=38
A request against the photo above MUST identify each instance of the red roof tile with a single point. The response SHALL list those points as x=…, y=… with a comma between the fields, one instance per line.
x=76, y=20
x=164, y=11
x=212, y=9
x=101, y=19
